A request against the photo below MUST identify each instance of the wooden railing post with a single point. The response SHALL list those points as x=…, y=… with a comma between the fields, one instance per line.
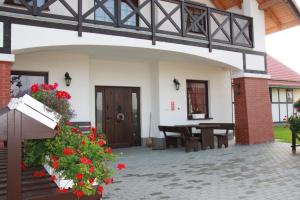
x=209, y=30
x=231, y=29
x=79, y=18
x=153, y=21
x=294, y=141
x=118, y=12
x=34, y=7
x=182, y=17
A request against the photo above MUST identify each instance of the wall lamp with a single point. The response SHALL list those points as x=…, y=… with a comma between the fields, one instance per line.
x=68, y=79
x=176, y=83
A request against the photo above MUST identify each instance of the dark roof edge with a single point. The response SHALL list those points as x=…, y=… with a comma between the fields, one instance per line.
x=294, y=7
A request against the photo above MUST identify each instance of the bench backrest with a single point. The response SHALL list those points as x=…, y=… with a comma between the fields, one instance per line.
x=184, y=131
x=82, y=126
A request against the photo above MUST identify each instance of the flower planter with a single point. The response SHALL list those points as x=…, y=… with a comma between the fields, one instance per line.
x=198, y=116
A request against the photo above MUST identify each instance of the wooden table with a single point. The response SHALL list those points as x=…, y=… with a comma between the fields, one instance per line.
x=207, y=133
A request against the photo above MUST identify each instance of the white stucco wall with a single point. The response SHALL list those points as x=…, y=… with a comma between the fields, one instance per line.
x=219, y=89
x=155, y=80
x=57, y=64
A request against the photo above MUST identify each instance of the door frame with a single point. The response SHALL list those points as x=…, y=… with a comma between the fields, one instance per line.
x=101, y=88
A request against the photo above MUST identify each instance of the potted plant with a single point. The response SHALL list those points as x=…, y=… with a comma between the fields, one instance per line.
x=297, y=105
x=198, y=114
x=77, y=162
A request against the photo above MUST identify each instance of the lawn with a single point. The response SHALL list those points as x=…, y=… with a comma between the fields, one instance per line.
x=283, y=134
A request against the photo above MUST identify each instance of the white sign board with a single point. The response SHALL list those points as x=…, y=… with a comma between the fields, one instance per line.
x=36, y=110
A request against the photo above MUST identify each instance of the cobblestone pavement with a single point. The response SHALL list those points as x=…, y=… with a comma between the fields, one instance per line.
x=267, y=171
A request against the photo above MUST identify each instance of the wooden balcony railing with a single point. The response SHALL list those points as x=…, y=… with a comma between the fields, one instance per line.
x=154, y=18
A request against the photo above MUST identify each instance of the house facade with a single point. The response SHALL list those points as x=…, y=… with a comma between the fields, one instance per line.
x=135, y=65
x=284, y=89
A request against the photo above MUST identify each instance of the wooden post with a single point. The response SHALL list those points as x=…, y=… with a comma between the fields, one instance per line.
x=14, y=155
x=294, y=141
x=80, y=18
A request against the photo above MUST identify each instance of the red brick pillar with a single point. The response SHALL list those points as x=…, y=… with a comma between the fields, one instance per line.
x=4, y=83
x=253, y=115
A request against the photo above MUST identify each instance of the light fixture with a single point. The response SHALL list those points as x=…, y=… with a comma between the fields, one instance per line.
x=176, y=83
x=68, y=79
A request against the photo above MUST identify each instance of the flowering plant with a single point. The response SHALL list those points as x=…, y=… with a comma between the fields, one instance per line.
x=297, y=105
x=293, y=122
x=82, y=158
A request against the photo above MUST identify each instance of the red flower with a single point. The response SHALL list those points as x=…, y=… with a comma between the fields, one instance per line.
x=75, y=130
x=46, y=86
x=100, y=189
x=68, y=151
x=55, y=164
x=62, y=95
x=78, y=193
x=81, y=183
x=91, y=180
x=36, y=173
x=34, y=88
x=62, y=190
x=41, y=173
x=92, y=169
x=85, y=160
x=102, y=143
x=94, y=131
x=79, y=176
x=91, y=137
x=54, y=86
x=121, y=166
x=83, y=143
x=108, y=150
x=101, y=136
x=23, y=166
x=108, y=181
x=53, y=178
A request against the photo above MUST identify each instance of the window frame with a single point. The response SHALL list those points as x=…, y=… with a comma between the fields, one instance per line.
x=135, y=2
x=31, y=73
x=189, y=117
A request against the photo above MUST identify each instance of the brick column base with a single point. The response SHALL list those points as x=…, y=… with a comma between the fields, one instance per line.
x=4, y=83
x=4, y=87
x=253, y=115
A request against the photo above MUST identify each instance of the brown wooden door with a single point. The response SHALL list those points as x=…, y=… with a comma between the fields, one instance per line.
x=118, y=116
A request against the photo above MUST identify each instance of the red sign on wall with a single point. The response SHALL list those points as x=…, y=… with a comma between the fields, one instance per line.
x=172, y=105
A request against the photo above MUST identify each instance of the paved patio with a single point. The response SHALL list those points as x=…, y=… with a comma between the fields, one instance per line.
x=267, y=171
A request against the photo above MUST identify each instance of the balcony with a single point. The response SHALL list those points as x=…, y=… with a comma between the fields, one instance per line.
x=183, y=22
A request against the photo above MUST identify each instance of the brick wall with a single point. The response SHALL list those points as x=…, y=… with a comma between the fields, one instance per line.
x=253, y=115
x=4, y=83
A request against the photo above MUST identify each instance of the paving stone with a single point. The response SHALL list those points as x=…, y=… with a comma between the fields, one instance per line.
x=266, y=171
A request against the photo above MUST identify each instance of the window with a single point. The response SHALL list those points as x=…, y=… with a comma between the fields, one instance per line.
x=197, y=98
x=30, y=2
x=126, y=9
x=21, y=81
x=190, y=22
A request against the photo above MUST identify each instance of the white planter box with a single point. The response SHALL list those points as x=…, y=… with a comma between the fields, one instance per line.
x=198, y=116
x=60, y=181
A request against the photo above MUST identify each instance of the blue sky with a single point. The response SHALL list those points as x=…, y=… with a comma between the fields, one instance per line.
x=285, y=46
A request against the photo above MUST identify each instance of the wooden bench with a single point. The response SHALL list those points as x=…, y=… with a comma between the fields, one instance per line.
x=84, y=127
x=183, y=133
x=222, y=138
